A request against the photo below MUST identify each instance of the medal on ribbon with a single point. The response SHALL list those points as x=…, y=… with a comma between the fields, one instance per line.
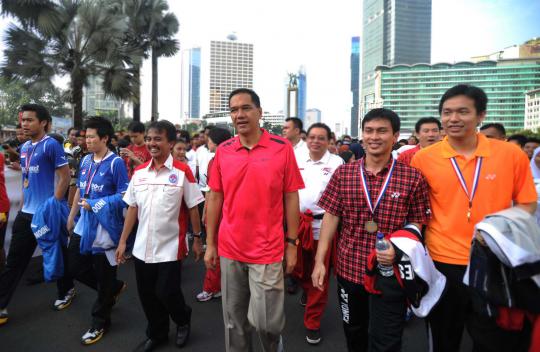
x=371, y=226
x=461, y=179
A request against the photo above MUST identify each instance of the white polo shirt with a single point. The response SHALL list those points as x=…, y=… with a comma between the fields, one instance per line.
x=316, y=175
x=159, y=196
x=203, y=158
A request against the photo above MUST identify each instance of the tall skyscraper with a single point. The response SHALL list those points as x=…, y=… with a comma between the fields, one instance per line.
x=312, y=116
x=231, y=67
x=395, y=32
x=191, y=83
x=355, y=84
x=302, y=93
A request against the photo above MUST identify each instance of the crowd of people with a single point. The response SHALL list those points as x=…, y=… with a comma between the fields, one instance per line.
x=395, y=219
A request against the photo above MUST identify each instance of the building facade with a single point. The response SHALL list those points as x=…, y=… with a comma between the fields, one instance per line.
x=312, y=116
x=355, y=84
x=532, y=109
x=96, y=102
x=231, y=67
x=394, y=32
x=414, y=91
x=191, y=84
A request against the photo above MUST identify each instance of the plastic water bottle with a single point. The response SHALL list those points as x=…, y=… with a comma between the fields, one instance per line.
x=382, y=245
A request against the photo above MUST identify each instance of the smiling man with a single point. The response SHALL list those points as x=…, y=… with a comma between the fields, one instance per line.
x=428, y=131
x=254, y=186
x=163, y=196
x=470, y=176
x=373, y=194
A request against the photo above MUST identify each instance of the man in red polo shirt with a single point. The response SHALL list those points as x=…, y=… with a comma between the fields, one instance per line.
x=428, y=131
x=254, y=185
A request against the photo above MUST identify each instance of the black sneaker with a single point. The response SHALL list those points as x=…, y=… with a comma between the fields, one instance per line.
x=303, y=299
x=64, y=302
x=3, y=316
x=92, y=336
x=313, y=337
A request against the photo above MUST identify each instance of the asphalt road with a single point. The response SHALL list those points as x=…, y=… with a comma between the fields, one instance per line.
x=34, y=326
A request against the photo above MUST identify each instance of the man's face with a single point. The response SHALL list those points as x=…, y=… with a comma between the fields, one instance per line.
x=494, y=133
x=157, y=144
x=332, y=146
x=530, y=147
x=31, y=125
x=290, y=132
x=73, y=137
x=179, y=151
x=317, y=140
x=93, y=142
x=136, y=138
x=378, y=137
x=459, y=117
x=429, y=134
x=245, y=115
x=21, y=137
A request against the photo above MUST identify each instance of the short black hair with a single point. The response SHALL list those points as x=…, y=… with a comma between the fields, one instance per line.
x=41, y=113
x=521, y=139
x=384, y=114
x=184, y=135
x=254, y=97
x=323, y=126
x=296, y=122
x=102, y=125
x=498, y=126
x=164, y=125
x=137, y=127
x=477, y=94
x=424, y=120
x=71, y=129
x=208, y=128
x=534, y=140
x=219, y=135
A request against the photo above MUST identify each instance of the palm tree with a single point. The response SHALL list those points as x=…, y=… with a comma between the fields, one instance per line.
x=74, y=38
x=151, y=29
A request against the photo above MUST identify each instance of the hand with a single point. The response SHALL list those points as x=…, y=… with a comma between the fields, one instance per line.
x=15, y=166
x=210, y=257
x=290, y=257
x=127, y=153
x=318, y=276
x=120, y=259
x=83, y=203
x=70, y=225
x=3, y=217
x=386, y=257
x=197, y=249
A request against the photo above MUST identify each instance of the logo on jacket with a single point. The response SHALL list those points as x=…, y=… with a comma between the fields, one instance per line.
x=173, y=179
x=491, y=177
x=326, y=170
x=395, y=195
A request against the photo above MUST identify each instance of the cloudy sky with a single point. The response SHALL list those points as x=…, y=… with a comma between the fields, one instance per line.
x=317, y=35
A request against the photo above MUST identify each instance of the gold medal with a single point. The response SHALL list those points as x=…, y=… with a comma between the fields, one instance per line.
x=26, y=183
x=371, y=226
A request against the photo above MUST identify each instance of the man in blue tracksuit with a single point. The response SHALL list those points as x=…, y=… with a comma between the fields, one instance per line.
x=42, y=158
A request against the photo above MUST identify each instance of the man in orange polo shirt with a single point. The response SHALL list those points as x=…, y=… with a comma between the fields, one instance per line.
x=254, y=186
x=470, y=176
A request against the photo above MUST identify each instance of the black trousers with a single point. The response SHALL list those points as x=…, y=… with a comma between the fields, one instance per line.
x=455, y=311
x=22, y=246
x=372, y=322
x=3, y=228
x=160, y=292
x=94, y=271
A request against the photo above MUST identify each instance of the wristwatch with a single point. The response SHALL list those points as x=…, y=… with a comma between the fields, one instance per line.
x=295, y=241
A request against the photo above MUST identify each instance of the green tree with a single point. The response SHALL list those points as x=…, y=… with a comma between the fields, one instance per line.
x=150, y=33
x=74, y=38
x=274, y=129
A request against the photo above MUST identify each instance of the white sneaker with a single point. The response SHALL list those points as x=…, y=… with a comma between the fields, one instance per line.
x=206, y=296
x=63, y=303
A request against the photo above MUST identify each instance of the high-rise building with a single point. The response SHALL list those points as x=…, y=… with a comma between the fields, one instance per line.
x=414, y=91
x=302, y=93
x=191, y=84
x=231, y=67
x=96, y=102
x=532, y=109
x=355, y=84
x=312, y=116
x=394, y=32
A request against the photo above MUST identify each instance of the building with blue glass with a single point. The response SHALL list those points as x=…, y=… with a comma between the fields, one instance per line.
x=355, y=84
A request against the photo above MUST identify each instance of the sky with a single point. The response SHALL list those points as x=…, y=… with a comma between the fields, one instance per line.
x=317, y=34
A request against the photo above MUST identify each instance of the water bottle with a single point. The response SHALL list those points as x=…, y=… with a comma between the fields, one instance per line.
x=382, y=245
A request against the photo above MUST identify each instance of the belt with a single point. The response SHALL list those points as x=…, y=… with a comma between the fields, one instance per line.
x=318, y=216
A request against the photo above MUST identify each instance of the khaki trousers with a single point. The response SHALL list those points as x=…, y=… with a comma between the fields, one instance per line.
x=253, y=297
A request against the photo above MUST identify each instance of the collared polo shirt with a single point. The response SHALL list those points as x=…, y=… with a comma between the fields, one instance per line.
x=505, y=177
x=159, y=196
x=407, y=155
x=405, y=200
x=254, y=182
x=316, y=175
